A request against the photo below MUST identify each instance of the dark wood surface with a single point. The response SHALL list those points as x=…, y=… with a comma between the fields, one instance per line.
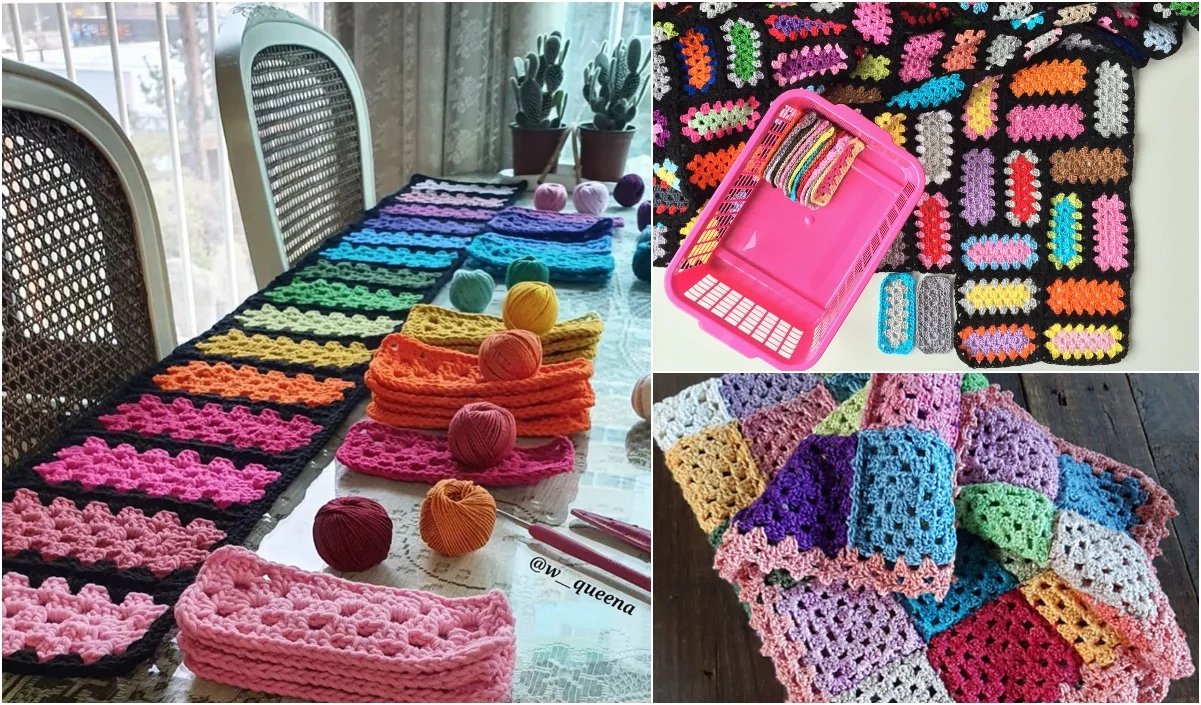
x=704, y=649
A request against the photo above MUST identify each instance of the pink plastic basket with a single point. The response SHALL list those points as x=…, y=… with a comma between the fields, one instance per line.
x=773, y=278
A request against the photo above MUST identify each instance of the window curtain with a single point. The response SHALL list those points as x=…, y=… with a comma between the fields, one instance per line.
x=436, y=79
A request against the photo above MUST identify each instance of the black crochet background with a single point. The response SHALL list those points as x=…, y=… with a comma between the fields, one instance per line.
x=1106, y=36
x=236, y=521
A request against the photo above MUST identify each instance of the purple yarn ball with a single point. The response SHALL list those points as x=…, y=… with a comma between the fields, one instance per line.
x=629, y=190
x=644, y=214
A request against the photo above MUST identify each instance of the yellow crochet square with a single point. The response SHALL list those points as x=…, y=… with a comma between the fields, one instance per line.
x=235, y=343
x=1060, y=605
x=447, y=328
x=715, y=470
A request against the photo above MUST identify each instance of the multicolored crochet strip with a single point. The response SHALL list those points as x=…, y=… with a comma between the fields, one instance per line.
x=1022, y=115
x=105, y=528
x=277, y=629
x=926, y=540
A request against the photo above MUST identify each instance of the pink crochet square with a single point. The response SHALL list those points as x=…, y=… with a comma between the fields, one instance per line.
x=774, y=432
x=374, y=448
x=929, y=402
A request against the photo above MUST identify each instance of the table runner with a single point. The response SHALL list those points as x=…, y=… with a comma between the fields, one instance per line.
x=204, y=441
x=1022, y=120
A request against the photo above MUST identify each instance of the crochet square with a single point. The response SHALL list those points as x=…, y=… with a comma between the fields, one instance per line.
x=1098, y=495
x=1014, y=518
x=978, y=579
x=901, y=505
x=716, y=472
x=1104, y=564
x=848, y=632
x=688, y=412
x=775, y=431
x=910, y=680
x=809, y=499
x=1092, y=637
x=998, y=446
x=842, y=385
x=846, y=417
x=1004, y=652
x=747, y=393
x=928, y=402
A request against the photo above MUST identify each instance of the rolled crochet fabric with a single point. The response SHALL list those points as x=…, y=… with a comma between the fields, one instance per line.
x=1022, y=115
x=277, y=629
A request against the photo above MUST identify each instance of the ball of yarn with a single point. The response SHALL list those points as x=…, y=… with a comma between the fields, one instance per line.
x=481, y=434
x=590, y=197
x=644, y=214
x=629, y=190
x=457, y=517
x=352, y=533
x=510, y=354
x=645, y=235
x=471, y=290
x=526, y=269
x=640, y=398
x=642, y=261
x=550, y=197
x=531, y=306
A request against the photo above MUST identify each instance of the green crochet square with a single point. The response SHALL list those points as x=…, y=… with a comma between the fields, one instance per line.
x=1014, y=518
x=846, y=418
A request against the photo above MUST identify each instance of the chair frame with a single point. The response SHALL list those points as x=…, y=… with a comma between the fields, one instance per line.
x=37, y=91
x=248, y=30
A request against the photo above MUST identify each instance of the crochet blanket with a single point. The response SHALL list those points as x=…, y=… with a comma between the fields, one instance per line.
x=1022, y=116
x=925, y=540
x=105, y=528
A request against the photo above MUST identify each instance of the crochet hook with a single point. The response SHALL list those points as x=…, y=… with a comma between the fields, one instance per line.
x=631, y=534
x=574, y=548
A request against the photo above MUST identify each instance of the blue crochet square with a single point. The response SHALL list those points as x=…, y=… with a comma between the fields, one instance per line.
x=901, y=502
x=1103, y=498
x=843, y=384
x=978, y=579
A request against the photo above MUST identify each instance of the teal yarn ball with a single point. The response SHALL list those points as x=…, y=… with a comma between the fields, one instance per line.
x=642, y=261
x=526, y=269
x=471, y=290
x=645, y=235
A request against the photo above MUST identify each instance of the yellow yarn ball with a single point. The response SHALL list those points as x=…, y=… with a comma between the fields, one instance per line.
x=531, y=306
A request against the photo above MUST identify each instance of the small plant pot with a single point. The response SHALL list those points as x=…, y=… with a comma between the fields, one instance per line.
x=533, y=148
x=603, y=153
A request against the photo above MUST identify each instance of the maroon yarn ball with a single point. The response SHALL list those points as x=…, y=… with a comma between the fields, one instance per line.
x=644, y=215
x=481, y=434
x=352, y=533
x=629, y=190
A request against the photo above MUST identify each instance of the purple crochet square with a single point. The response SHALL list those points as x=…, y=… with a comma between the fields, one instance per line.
x=809, y=499
x=747, y=393
x=848, y=633
x=1001, y=447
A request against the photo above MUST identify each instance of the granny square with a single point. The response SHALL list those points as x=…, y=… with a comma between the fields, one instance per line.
x=1098, y=496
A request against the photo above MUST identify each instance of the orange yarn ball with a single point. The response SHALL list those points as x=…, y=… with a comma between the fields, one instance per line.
x=509, y=355
x=481, y=434
x=457, y=517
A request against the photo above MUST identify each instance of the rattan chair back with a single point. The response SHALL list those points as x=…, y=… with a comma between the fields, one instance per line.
x=86, y=305
x=297, y=129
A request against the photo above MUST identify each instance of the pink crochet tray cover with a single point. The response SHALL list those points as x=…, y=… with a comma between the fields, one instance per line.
x=374, y=448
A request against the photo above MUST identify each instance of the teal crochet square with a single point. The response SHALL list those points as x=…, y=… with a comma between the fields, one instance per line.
x=978, y=579
x=1101, y=497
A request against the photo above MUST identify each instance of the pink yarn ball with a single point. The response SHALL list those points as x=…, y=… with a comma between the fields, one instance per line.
x=591, y=197
x=352, y=533
x=550, y=197
x=481, y=434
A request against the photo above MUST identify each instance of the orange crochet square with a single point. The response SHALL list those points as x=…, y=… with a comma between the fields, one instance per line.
x=716, y=472
x=222, y=379
x=1092, y=637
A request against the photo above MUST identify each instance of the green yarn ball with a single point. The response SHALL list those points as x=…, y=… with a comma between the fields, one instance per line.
x=471, y=290
x=642, y=261
x=526, y=269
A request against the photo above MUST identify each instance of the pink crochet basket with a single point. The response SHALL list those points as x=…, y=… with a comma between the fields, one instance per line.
x=774, y=278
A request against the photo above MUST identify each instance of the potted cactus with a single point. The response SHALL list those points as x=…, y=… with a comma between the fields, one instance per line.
x=538, y=130
x=614, y=85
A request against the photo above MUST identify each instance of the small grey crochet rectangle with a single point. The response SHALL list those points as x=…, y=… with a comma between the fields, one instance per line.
x=935, y=313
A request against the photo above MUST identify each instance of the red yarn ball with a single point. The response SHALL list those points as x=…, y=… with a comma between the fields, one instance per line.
x=510, y=354
x=352, y=533
x=481, y=434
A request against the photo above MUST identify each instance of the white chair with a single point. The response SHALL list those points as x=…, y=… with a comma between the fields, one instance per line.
x=297, y=132
x=86, y=300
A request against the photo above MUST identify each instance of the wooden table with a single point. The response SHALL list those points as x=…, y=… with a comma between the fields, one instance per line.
x=705, y=651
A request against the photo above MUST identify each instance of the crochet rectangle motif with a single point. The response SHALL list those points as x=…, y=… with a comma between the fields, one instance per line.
x=928, y=541
x=1021, y=114
x=105, y=528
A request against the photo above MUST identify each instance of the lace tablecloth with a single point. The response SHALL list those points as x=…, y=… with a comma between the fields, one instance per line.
x=571, y=647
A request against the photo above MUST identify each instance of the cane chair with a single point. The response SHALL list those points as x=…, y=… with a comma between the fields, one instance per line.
x=86, y=300
x=297, y=132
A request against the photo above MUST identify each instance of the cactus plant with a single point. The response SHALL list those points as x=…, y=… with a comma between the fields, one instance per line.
x=614, y=85
x=536, y=80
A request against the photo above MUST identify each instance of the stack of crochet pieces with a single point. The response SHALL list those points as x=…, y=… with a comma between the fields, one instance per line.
x=925, y=540
x=105, y=526
x=574, y=246
x=575, y=338
x=414, y=385
x=281, y=630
